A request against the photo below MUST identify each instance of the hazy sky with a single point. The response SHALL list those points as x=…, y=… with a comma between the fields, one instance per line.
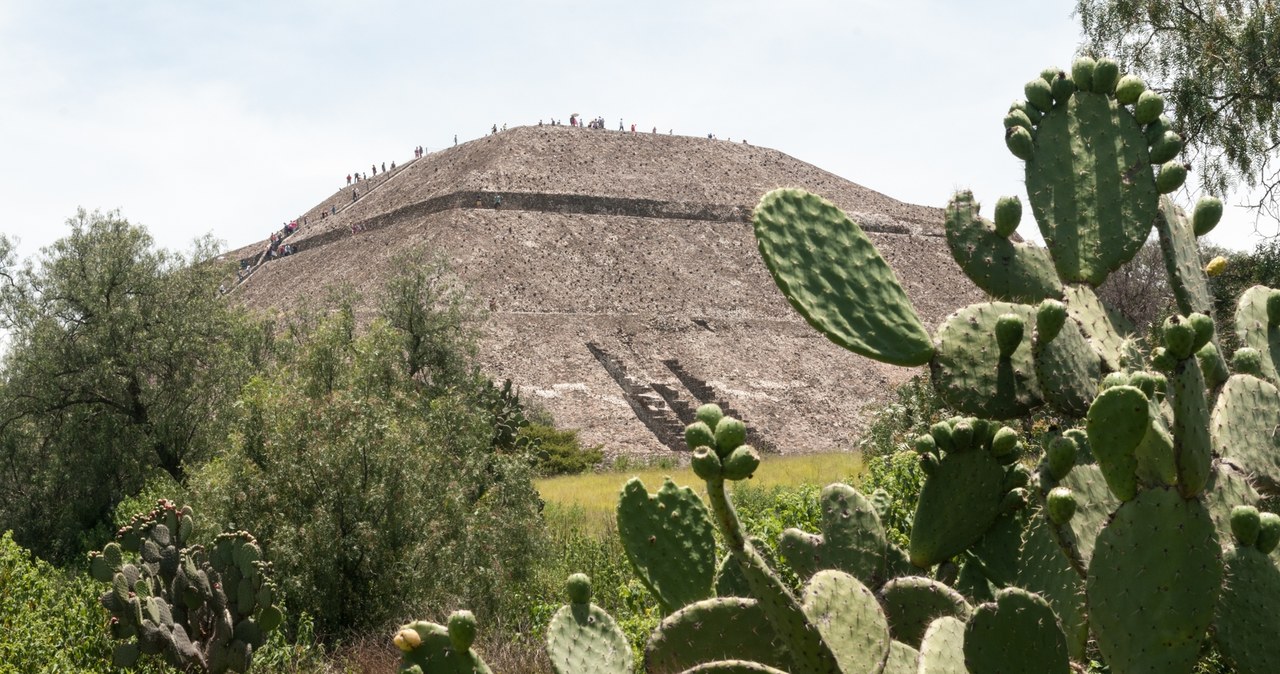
x=231, y=117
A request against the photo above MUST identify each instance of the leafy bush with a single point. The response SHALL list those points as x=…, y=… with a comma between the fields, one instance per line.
x=556, y=451
x=50, y=620
x=916, y=406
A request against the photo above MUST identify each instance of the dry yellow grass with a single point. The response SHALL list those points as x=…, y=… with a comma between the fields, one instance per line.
x=595, y=495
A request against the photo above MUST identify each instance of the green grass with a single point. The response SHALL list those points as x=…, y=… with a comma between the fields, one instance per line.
x=595, y=495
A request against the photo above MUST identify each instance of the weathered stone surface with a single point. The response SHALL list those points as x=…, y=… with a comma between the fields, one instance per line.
x=623, y=280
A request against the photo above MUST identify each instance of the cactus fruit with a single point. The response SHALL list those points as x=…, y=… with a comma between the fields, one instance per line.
x=1171, y=176
x=1216, y=266
x=1129, y=89
x=1008, y=215
x=1148, y=107
x=668, y=540
x=1206, y=216
x=182, y=601
x=1039, y=94
x=1082, y=72
x=582, y=637
x=1106, y=76
x=1060, y=505
x=832, y=274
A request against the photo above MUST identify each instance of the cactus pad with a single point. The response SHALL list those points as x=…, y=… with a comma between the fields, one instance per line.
x=969, y=371
x=942, y=650
x=583, y=639
x=833, y=275
x=1018, y=632
x=850, y=621
x=1244, y=427
x=1246, y=623
x=1182, y=259
x=713, y=630
x=1091, y=186
x=1228, y=489
x=852, y=538
x=912, y=603
x=1256, y=327
x=1048, y=572
x=903, y=659
x=1006, y=270
x=1157, y=561
x=1191, y=428
x=971, y=475
x=1068, y=370
x=669, y=541
x=1108, y=333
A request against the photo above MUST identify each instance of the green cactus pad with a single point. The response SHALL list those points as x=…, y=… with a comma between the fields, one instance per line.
x=852, y=538
x=903, y=659
x=731, y=581
x=972, y=582
x=1068, y=370
x=997, y=552
x=941, y=530
x=1182, y=259
x=1047, y=571
x=1091, y=187
x=1244, y=422
x=1094, y=505
x=1246, y=623
x=1109, y=333
x=1006, y=270
x=669, y=541
x=1018, y=632
x=942, y=650
x=713, y=630
x=912, y=603
x=834, y=276
x=436, y=653
x=968, y=371
x=584, y=639
x=1118, y=422
x=1228, y=489
x=1191, y=428
x=1153, y=583
x=1256, y=328
x=733, y=667
x=849, y=619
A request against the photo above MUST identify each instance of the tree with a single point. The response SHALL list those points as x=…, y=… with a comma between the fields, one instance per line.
x=121, y=357
x=1217, y=63
x=377, y=491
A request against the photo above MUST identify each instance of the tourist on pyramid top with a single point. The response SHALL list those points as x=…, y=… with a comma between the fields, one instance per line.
x=348, y=178
x=384, y=167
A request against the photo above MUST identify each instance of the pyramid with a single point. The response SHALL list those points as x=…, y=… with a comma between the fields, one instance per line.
x=622, y=280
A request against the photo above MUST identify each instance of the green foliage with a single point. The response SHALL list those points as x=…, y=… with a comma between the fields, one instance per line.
x=893, y=427
x=120, y=359
x=900, y=477
x=1214, y=61
x=50, y=620
x=556, y=451
x=392, y=472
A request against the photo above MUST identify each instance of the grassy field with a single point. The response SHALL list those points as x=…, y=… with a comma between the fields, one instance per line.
x=595, y=495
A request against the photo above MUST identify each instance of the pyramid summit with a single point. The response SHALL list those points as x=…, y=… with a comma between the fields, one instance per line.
x=622, y=279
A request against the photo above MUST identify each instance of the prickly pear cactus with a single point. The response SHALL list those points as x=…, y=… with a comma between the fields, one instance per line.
x=583, y=639
x=668, y=539
x=852, y=539
x=201, y=610
x=429, y=648
x=968, y=461
x=1246, y=622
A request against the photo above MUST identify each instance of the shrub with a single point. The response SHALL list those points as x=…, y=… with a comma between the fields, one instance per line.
x=556, y=451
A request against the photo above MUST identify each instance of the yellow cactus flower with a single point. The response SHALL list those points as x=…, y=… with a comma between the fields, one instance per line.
x=1216, y=266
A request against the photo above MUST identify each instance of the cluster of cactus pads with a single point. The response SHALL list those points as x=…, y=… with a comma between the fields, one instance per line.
x=1132, y=536
x=203, y=611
